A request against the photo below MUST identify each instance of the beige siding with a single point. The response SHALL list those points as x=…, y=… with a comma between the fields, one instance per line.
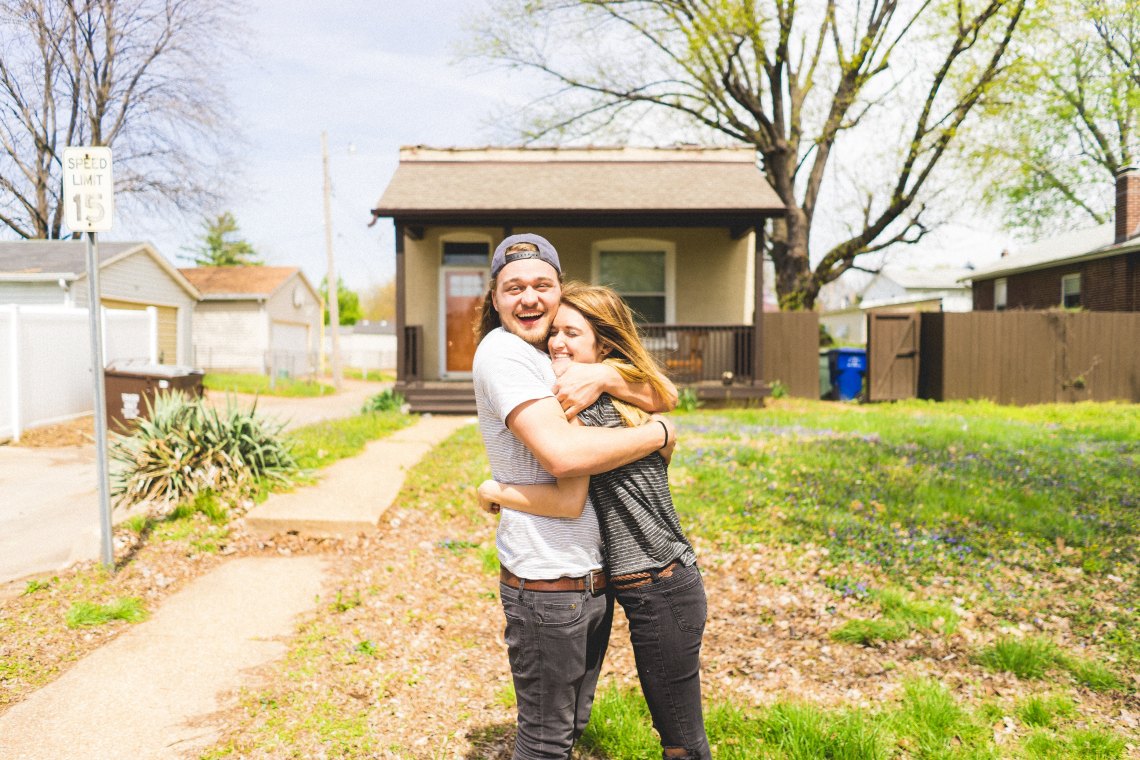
x=140, y=280
x=305, y=311
x=231, y=335
x=31, y=293
x=712, y=272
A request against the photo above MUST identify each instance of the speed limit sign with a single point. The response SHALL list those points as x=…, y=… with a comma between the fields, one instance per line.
x=88, y=189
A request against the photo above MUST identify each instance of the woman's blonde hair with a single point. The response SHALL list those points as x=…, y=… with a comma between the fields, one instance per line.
x=615, y=331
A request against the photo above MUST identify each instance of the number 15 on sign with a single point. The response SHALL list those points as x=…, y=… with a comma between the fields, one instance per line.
x=88, y=189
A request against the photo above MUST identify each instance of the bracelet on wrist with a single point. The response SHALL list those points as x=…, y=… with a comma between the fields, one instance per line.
x=666, y=429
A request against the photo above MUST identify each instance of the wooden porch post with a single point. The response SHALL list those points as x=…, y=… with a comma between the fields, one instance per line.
x=401, y=369
x=758, y=308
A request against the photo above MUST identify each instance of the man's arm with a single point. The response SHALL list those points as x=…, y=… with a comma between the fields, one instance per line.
x=579, y=385
x=566, y=450
x=563, y=498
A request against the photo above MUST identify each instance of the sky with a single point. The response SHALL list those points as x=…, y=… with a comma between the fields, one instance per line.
x=374, y=76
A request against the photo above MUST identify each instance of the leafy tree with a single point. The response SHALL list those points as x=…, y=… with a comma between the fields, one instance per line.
x=867, y=97
x=378, y=303
x=140, y=76
x=1049, y=150
x=348, y=302
x=220, y=245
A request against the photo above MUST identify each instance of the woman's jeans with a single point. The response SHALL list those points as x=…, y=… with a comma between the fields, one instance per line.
x=666, y=623
x=556, y=641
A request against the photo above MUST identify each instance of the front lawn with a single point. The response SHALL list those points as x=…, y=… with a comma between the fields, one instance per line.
x=263, y=385
x=892, y=581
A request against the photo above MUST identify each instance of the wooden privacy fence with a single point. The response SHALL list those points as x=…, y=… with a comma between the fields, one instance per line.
x=1015, y=357
x=791, y=351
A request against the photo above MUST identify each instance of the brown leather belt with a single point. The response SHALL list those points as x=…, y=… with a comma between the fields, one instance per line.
x=595, y=581
x=637, y=580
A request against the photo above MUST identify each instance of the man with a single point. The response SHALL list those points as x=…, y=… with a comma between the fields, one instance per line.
x=552, y=584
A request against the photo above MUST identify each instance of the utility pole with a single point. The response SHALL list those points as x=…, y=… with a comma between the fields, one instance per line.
x=334, y=303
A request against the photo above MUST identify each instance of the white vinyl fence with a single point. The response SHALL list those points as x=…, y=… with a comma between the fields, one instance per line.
x=365, y=352
x=45, y=360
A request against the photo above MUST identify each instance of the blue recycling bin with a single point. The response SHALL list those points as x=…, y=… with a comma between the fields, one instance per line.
x=848, y=366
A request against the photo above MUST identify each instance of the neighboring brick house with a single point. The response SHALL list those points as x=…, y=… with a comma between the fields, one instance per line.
x=1097, y=269
x=678, y=231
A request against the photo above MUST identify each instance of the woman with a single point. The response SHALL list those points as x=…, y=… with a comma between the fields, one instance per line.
x=651, y=566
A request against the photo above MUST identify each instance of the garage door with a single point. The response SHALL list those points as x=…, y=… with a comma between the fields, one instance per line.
x=167, y=327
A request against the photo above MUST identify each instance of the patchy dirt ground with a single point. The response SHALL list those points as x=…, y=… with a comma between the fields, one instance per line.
x=77, y=432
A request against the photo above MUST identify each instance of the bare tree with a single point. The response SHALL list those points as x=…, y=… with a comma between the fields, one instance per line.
x=140, y=76
x=1049, y=149
x=801, y=81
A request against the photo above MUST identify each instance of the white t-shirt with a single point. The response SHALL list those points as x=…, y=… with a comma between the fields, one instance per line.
x=507, y=372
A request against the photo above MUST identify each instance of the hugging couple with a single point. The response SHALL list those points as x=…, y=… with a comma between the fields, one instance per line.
x=567, y=394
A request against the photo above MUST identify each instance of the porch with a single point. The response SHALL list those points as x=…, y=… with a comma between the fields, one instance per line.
x=716, y=361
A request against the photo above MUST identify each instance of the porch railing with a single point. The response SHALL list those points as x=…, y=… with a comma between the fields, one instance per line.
x=412, y=353
x=688, y=353
x=701, y=353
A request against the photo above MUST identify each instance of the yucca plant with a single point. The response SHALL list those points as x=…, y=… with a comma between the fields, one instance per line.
x=187, y=447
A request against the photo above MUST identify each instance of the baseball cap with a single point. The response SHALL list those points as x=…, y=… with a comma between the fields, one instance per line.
x=545, y=252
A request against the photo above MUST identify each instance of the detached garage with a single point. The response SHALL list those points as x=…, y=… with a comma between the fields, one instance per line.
x=132, y=276
x=256, y=319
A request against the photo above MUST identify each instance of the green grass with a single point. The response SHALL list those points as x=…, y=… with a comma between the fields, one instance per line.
x=322, y=443
x=870, y=632
x=1043, y=711
x=84, y=614
x=1025, y=658
x=260, y=385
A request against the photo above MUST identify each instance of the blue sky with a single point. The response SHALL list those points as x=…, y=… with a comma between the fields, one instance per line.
x=374, y=76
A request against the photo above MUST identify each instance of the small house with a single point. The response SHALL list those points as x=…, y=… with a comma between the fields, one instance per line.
x=132, y=276
x=677, y=231
x=256, y=319
x=895, y=289
x=1096, y=269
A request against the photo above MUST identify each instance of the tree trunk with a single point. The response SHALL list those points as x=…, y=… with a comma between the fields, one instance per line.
x=796, y=288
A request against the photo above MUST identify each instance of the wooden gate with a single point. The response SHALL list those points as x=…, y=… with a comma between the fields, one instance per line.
x=892, y=356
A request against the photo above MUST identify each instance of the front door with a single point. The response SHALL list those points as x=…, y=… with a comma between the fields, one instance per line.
x=463, y=292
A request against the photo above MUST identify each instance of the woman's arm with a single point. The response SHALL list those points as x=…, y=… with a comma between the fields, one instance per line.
x=564, y=498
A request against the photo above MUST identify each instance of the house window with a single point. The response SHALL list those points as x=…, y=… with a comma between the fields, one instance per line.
x=640, y=278
x=466, y=254
x=1071, y=291
x=1000, y=294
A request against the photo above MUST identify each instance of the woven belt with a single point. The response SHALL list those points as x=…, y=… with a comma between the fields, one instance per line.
x=595, y=581
x=637, y=580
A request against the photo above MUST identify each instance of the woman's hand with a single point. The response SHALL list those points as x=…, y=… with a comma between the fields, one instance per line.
x=580, y=385
x=488, y=493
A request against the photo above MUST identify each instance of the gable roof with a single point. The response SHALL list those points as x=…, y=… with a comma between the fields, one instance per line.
x=1079, y=245
x=51, y=260
x=941, y=278
x=488, y=183
x=242, y=282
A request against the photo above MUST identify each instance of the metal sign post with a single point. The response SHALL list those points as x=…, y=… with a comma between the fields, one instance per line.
x=88, y=197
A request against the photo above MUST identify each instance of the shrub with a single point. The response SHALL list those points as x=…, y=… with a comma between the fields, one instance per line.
x=385, y=401
x=187, y=448
x=687, y=400
x=779, y=389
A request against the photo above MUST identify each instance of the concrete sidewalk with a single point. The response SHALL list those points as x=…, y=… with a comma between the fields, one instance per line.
x=149, y=692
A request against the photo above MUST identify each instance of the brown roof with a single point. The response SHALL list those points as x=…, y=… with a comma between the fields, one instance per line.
x=577, y=181
x=251, y=281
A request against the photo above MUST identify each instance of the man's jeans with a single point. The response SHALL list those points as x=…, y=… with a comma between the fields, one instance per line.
x=556, y=641
x=666, y=623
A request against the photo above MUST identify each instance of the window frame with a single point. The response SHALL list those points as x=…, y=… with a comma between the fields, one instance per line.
x=640, y=245
x=1065, y=280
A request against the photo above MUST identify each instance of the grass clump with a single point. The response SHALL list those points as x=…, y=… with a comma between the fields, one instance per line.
x=83, y=614
x=1078, y=744
x=385, y=401
x=870, y=632
x=917, y=614
x=1025, y=658
x=1095, y=675
x=931, y=723
x=187, y=448
x=1042, y=711
x=802, y=732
